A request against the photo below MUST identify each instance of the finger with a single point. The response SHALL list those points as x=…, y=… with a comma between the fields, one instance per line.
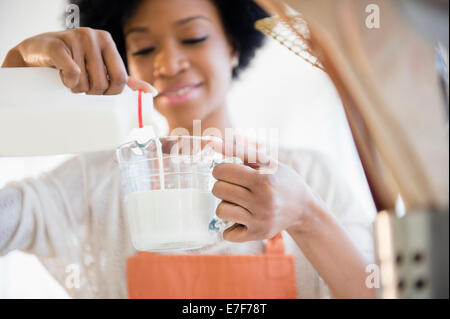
x=247, y=232
x=61, y=58
x=233, y=213
x=233, y=193
x=242, y=175
x=249, y=155
x=136, y=84
x=78, y=55
x=115, y=68
x=237, y=233
x=96, y=71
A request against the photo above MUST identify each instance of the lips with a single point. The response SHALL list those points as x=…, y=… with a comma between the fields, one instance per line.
x=179, y=94
x=178, y=90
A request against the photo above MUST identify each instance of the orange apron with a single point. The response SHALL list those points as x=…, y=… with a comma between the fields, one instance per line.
x=267, y=276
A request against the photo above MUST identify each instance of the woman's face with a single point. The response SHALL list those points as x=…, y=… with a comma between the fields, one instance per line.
x=180, y=47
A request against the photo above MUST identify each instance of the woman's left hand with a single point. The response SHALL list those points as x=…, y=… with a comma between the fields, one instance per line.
x=261, y=199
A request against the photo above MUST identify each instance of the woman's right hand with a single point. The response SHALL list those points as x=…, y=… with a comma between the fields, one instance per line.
x=88, y=60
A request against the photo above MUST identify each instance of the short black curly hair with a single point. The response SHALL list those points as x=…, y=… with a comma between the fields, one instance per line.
x=238, y=18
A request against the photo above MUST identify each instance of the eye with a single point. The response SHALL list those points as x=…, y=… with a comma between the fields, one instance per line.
x=144, y=51
x=196, y=40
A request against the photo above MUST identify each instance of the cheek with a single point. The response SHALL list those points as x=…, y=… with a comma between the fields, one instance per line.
x=142, y=70
x=216, y=68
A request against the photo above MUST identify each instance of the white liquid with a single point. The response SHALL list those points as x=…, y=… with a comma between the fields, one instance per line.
x=160, y=163
x=170, y=219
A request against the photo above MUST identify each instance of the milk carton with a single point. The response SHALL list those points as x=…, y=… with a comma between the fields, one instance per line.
x=40, y=116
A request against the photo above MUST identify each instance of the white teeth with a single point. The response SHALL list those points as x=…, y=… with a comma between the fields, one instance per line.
x=180, y=92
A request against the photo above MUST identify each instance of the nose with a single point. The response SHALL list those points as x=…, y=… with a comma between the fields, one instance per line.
x=170, y=61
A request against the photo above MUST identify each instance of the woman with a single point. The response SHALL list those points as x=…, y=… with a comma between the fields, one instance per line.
x=189, y=51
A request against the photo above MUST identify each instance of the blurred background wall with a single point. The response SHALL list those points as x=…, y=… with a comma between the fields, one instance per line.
x=279, y=91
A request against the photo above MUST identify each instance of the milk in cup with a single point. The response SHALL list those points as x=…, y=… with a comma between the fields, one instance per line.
x=168, y=197
x=172, y=218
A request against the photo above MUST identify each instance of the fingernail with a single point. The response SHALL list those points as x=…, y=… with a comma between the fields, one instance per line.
x=154, y=91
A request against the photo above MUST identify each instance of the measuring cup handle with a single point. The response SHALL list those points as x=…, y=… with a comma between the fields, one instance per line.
x=218, y=225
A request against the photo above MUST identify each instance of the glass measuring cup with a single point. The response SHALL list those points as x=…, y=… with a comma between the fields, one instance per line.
x=167, y=183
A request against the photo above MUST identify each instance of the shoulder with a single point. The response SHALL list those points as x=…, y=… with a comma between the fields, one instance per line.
x=99, y=161
x=314, y=166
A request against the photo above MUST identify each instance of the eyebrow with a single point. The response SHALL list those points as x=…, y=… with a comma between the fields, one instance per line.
x=178, y=23
x=189, y=19
x=136, y=29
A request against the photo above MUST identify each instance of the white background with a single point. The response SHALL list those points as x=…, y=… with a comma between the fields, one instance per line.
x=278, y=91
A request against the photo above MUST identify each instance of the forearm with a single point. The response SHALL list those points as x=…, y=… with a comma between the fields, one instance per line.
x=328, y=247
x=41, y=215
x=15, y=233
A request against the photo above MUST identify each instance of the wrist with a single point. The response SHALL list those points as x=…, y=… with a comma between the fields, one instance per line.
x=311, y=219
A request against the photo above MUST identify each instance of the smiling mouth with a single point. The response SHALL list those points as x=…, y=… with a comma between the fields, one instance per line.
x=180, y=92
